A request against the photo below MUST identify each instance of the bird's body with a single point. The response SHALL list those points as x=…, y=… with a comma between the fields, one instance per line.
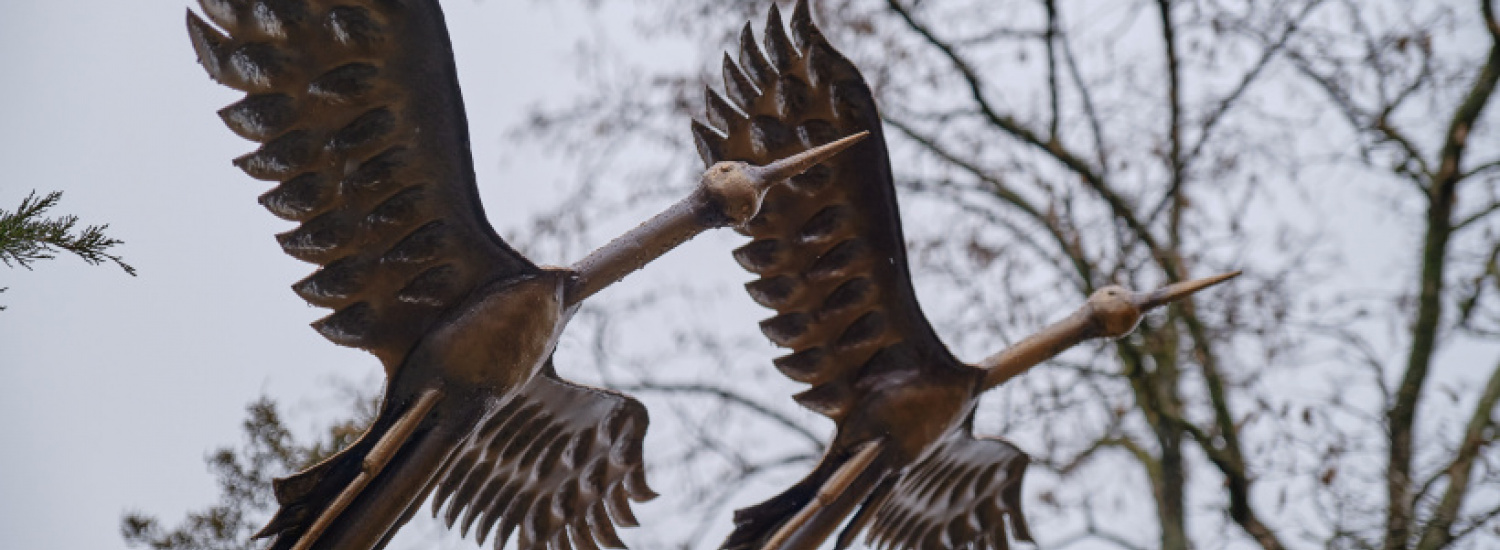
x=357, y=107
x=529, y=312
x=831, y=260
x=885, y=405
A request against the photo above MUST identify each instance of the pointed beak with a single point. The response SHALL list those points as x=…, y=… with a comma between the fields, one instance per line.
x=784, y=169
x=1173, y=292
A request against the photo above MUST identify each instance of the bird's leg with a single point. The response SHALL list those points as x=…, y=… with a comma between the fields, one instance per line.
x=373, y=463
x=729, y=194
x=1111, y=312
x=830, y=491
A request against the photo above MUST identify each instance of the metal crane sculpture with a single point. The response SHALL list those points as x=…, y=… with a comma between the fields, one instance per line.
x=357, y=106
x=831, y=260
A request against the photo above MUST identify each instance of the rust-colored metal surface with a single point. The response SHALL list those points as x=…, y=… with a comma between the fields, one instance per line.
x=358, y=112
x=831, y=262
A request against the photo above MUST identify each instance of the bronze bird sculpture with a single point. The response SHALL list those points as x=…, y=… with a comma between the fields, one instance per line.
x=831, y=262
x=358, y=110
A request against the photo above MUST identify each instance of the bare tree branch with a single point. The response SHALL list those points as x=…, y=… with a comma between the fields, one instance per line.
x=1052, y=87
x=731, y=397
x=1117, y=204
x=1444, y=189
x=1267, y=55
x=1174, y=158
x=1068, y=245
x=1438, y=532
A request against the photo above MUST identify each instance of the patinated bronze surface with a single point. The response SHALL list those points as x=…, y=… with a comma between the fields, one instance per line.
x=358, y=110
x=832, y=264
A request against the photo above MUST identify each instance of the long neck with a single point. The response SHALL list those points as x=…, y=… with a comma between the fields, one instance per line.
x=1043, y=345
x=648, y=241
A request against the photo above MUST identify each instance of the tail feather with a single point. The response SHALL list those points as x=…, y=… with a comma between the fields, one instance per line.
x=305, y=494
x=399, y=456
x=755, y=525
x=826, y=519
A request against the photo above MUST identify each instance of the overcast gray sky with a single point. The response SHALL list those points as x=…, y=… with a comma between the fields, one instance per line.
x=114, y=388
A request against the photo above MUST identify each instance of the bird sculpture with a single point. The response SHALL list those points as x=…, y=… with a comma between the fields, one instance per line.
x=828, y=250
x=357, y=107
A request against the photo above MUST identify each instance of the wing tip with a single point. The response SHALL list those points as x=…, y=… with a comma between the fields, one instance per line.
x=209, y=45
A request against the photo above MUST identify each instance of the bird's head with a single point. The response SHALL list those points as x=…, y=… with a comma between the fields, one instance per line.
x=1117, y=310
x=739, y=187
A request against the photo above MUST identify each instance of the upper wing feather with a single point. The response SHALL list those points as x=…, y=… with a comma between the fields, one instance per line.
x=957, y=497
x=556, y=461
x=827, y=246
x=358, y=110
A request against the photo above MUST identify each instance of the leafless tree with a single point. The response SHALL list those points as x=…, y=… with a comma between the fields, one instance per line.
x=1415, y=108
x=1042, y=142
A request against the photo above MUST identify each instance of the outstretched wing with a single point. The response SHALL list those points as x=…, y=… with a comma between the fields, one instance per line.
x=357, y=108
x=828, y=246
x=958, y=497
x=556, y=461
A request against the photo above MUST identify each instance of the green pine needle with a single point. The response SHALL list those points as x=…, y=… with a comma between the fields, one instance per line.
x=26, y=236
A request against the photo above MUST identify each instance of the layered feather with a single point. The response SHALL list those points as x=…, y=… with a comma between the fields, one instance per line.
x=827, y=246
x=553, y=463
x=556, y=464
x=961, y=496
x=358, y=112
x=357, y=108
x=831, y=261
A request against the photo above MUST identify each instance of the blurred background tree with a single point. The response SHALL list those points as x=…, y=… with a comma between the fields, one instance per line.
x=244, y=475
x=1340, y=394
